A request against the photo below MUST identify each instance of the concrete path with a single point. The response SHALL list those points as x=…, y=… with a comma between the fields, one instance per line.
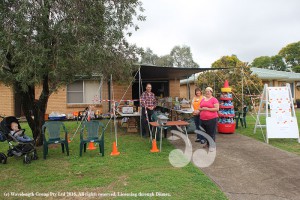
x=247, y=169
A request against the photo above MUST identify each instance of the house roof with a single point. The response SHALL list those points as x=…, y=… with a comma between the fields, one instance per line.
x=267, y=74
x=151, y=72
x=264, y=74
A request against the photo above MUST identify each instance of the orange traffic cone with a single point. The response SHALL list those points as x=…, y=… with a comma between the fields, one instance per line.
x=91, y=146
x=154, y=147
x=115, y=150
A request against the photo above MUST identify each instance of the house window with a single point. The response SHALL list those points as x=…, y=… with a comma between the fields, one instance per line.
x=83, y=92
x=281, y=84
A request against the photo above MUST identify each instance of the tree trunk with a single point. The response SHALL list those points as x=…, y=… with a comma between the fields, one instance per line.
x=35, y=110
x=33, y=115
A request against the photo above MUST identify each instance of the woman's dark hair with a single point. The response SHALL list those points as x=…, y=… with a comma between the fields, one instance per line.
x=197, y=89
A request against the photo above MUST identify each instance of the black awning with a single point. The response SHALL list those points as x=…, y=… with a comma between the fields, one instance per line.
x=151, y=72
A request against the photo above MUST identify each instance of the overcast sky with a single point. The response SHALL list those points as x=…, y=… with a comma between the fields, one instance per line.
x=214, y=28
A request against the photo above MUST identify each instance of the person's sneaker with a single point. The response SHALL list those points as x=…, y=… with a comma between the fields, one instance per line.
x=197, y=140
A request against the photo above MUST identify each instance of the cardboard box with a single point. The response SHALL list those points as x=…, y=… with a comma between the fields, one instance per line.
x=127, y=109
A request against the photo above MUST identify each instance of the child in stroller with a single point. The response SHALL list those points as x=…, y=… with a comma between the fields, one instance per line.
x=12, y=132
x=18, y=133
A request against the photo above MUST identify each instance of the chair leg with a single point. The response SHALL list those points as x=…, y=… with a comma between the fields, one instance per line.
x=157, y=134
x=84, y=147
x=44, y=151
x=237, y=123
x=81, y=148
x=101, y=147
x=47, y=149
x=67, y=147
x=165, y=133
x=62, y=148
x=242, y=122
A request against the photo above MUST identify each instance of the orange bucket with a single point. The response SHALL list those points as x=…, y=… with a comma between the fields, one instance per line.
x=46, y=116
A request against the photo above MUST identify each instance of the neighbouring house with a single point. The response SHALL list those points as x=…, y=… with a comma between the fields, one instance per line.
x=188, y=86
x=270, y=77
x=82, y=93
x=279, y=78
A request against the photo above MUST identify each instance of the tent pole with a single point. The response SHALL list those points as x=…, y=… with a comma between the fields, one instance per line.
x=140, y=106
x=242, y=88
x=189, y=88
x=114, y=112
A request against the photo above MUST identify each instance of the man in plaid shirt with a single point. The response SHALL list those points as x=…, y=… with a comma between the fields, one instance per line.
x=148, y=103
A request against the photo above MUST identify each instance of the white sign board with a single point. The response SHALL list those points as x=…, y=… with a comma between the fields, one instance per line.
x=282, y=128
x=281, y=123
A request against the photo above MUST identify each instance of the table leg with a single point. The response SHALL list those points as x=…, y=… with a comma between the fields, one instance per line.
x=151, y=133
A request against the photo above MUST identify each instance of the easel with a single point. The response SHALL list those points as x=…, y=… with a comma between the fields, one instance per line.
x=281, y=121
x=263, y=102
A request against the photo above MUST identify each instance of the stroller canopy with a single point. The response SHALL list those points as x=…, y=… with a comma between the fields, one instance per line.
x=6, y=122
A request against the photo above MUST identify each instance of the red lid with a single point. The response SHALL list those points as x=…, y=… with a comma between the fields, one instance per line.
x=226, y=84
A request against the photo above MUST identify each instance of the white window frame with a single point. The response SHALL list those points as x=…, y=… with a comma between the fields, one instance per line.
x=84, y=100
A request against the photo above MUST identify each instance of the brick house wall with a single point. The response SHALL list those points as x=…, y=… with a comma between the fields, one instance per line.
x=6, y=100
x=297, y=93
x=58, y=101
x=184, y=91
x=174, y=88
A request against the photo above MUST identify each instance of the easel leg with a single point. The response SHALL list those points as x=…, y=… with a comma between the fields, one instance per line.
x=161, y=129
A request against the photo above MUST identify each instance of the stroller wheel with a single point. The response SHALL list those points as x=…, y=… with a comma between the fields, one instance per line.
x=34, y=155
x=27, y=159
x=3, y=158
x=9, y=153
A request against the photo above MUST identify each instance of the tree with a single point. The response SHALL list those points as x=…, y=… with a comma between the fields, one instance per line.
x=296, y=69
x=165, y=61
x=291, y=55
x=179, y=57
x=277, y=63
x=148, y=57
x=262, y=62
x=183, y=57
x=274, y=63
x=239, y=76
x=47, y=42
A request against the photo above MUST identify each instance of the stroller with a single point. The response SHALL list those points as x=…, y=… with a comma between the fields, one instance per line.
x=16, y=147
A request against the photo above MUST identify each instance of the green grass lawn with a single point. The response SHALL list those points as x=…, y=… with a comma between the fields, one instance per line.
x=290, y=145
x=135, y=171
